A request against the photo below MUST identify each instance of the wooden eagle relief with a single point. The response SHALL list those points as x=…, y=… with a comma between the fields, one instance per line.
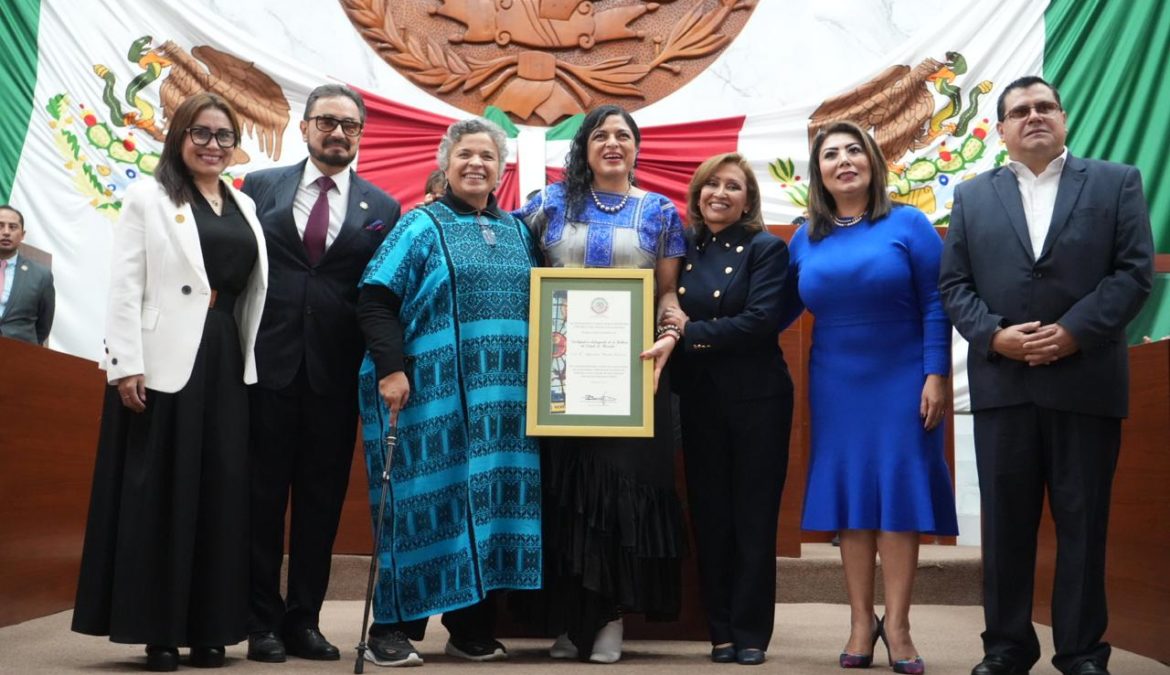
x=543, y=60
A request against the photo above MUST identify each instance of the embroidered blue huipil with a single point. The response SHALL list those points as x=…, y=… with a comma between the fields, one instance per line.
x=463, y=517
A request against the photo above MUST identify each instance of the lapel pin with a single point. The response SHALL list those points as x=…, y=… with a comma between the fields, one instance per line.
x=364, y=205
x=24, y=268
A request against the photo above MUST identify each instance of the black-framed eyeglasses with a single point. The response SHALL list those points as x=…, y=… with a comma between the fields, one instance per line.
x=1022, y=112
x=327, y=124
x=225, y=138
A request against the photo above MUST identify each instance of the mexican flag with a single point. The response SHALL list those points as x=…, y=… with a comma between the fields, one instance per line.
x=87, y=88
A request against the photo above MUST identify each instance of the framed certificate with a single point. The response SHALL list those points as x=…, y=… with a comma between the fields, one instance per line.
x=587, y=328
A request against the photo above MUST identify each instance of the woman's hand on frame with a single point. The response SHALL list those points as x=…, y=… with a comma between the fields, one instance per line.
x=660, y=352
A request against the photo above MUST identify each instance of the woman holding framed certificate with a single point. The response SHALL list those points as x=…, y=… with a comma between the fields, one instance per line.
x=612, y=521
x=735, y=401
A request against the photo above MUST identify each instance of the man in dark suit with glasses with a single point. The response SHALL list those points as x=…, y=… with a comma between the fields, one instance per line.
x=322, y=224
x=1046, y=261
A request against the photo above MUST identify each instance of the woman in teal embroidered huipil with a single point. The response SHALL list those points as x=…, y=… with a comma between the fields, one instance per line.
x=444, y=308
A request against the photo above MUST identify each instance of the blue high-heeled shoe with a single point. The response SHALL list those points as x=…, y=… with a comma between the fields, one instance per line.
x=849, y=660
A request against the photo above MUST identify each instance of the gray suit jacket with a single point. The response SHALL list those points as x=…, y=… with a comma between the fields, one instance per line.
x=1092, y=276
x=28, y=315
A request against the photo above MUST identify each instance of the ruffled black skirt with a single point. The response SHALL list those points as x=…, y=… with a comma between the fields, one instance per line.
x=614, y=534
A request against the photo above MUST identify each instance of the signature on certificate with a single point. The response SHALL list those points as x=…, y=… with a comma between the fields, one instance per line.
x=601, y=398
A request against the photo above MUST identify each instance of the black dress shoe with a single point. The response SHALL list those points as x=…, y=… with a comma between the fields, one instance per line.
x=1089, y=668
x=994, y=664
x=309, y=643
x=724, y=654
x=207, y=657
x=161, y=659
x=750, y=657
x=265, y=647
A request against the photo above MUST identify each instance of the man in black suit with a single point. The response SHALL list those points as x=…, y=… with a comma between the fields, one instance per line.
x=322, y=224
x=1046, y=261
x=27, y=296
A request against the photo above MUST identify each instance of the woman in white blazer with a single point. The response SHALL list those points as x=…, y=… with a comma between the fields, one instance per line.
x=165, y=562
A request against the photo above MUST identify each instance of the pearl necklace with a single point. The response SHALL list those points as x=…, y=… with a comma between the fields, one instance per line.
x=611, y=209
x=848, y=222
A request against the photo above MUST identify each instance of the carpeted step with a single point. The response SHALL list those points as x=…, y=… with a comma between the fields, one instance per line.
x=947, y=575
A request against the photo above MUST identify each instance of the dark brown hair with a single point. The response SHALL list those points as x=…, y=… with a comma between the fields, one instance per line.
x=822, y=207
x=19, y=215
x=172, y=173
x=753, y=216
x=578, y=175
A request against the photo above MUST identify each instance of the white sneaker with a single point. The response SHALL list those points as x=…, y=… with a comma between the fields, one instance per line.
x=607, y=646
x=563, y=648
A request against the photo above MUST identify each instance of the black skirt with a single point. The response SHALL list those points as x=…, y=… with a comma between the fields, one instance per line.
x=166, y=544
x=613, y=532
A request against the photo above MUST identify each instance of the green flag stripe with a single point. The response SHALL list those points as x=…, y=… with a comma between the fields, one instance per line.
x=1109, y=59
x=18, y=52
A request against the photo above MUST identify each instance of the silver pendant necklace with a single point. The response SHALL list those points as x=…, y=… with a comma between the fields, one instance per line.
x=486, y=231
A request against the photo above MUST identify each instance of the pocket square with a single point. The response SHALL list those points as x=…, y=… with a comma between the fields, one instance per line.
x=376, y=226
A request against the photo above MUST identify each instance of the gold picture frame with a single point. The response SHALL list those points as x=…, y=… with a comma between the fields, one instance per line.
x=607, y=390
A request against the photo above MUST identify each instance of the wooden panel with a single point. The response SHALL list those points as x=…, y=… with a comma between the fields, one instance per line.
x=1138, y=563
x=355, y=534
x=37, y=255
x=52, y=405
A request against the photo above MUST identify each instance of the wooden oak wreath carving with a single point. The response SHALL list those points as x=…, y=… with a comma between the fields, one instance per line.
x=544, y=60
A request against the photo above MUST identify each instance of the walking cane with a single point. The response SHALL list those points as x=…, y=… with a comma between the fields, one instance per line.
x=390, y=441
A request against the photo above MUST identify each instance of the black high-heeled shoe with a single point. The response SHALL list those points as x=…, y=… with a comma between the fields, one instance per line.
x=914, y=666
x=848, y=660
x=160, y=659
x=207, y=657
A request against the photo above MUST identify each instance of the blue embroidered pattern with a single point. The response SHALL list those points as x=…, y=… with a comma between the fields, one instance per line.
x=463, y=516
x=650, y=223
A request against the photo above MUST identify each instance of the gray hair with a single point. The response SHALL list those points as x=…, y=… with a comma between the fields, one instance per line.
x=475, y=125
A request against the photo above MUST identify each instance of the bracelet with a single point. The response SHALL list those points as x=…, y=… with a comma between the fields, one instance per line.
x=667, y=329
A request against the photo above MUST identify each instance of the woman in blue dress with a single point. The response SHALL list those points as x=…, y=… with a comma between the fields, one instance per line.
x=613, y=525
x=444, y=309
x=868, y=272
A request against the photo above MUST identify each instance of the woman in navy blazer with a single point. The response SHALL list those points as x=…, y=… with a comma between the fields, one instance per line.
x=165, y=561
x=735, y=400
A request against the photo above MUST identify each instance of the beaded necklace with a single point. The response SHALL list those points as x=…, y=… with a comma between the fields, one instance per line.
x=848, y=222
x=611, y=209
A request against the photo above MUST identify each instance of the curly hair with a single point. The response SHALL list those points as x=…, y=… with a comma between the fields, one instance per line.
x=475, y=125
x=578, y=176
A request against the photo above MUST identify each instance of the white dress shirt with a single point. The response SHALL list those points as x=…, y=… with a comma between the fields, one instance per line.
x=306, y=196
x=9, y=279
x=1038, y=194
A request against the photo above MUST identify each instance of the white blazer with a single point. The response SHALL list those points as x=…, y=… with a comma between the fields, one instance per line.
x=159, y=291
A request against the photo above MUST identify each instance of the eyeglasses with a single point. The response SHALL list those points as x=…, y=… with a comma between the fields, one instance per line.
x=226, y=138
x=1022, y=112
x=327, y=124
